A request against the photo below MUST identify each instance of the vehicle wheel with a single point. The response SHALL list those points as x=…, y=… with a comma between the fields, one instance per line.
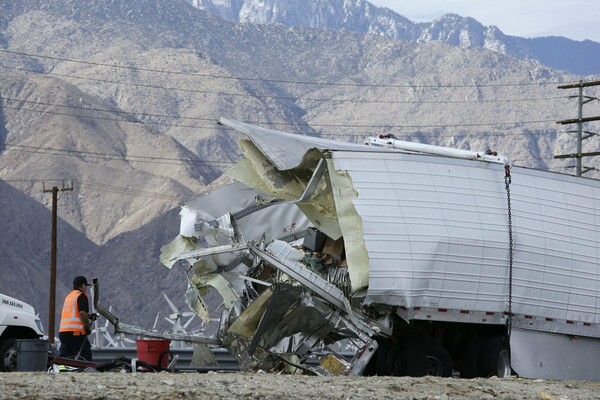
x=8, y=355
x=438, y=361
x=495, y=358
x=470, y=359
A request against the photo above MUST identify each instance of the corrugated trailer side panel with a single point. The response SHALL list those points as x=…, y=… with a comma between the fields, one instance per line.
x=436, y=231
x=556, y=264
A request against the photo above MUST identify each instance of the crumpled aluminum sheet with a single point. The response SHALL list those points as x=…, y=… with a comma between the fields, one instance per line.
x=293, y=322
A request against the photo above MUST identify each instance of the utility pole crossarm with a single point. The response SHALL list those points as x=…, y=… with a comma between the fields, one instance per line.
x=577, y=155
x=579, y=85
x=578, y=120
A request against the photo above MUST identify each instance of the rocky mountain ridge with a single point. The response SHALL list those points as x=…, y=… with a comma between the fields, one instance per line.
x=578, y=57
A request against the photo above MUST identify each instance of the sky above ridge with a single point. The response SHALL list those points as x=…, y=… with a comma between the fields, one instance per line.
x=574, y=19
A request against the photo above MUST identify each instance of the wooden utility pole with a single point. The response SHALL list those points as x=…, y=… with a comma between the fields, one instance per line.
x=53, y=246
x=579, y=121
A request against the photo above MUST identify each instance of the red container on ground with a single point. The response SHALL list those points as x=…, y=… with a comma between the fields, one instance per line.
x=154, y=351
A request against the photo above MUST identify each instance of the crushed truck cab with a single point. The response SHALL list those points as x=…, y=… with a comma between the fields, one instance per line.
x=426, y=260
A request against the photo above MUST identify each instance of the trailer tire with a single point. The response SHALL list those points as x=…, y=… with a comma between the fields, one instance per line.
x=470, y=359
x=495, y=358
x=8, y=355
x=438, y=361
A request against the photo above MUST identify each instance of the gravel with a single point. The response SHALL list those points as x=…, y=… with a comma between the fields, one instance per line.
x=213, y=385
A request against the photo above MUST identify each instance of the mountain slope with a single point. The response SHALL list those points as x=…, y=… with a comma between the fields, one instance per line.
x=50, y=137
x=25, y=249
x=564, y=54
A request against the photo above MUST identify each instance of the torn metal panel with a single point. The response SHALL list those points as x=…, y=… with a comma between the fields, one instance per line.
x=292, y=185
x=285, y=323
x=295, y=320
x=276, y=145
x=351, y=224
x=290, y=261
x=246, y=209
x=257, y=171
x=220, y=222
x=231, y=298
x=247, y=323
x=169, y=254
x=195, y=302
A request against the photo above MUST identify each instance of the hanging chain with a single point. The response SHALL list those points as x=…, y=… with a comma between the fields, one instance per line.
x=507, y=182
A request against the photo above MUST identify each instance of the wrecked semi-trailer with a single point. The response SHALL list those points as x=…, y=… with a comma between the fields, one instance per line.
x=444, y=263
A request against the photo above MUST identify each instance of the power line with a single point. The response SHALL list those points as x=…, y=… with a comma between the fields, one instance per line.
x=109, y=156
x=131, y=113
x=127, y=191
x=277, y=97
x=354, y=126
x=214, y=76
x=105, y=188
x=137, y=114
x=114, y=119
x=441, y=126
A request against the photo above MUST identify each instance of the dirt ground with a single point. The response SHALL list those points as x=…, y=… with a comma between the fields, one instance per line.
x=212, y=385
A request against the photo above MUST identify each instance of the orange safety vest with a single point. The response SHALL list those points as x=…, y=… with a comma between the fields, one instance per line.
x=70, y=320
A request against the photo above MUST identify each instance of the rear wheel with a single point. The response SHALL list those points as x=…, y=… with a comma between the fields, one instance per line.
x=8, y=355
x=495, y=358
x=438, y=361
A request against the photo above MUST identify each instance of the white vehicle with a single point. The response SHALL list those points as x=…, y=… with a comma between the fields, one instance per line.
x=17, y=321
x=428, y=260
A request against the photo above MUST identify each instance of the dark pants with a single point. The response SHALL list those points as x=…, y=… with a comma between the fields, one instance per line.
x=73, y=346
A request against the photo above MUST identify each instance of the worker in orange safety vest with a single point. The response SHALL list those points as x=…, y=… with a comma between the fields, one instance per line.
x=75, y=322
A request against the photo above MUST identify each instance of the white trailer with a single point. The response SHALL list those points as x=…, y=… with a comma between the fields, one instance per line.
x=451, y=262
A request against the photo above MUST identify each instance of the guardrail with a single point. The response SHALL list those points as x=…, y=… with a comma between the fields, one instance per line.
x=225, y=361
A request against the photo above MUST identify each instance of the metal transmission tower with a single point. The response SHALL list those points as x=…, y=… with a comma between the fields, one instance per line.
x=579, y=121
x=52, y=300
